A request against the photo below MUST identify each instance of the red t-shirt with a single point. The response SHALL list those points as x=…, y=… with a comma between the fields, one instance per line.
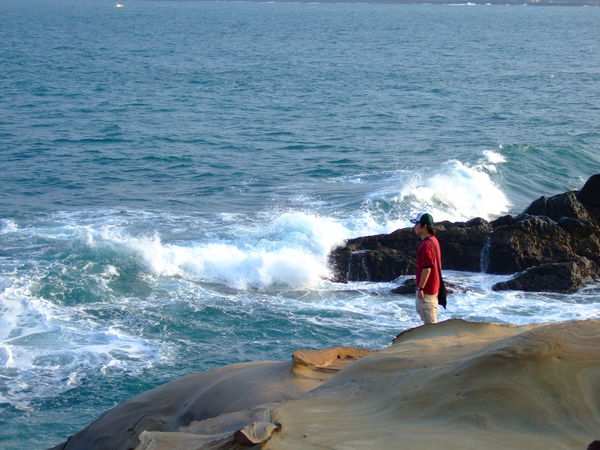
x=426, y=257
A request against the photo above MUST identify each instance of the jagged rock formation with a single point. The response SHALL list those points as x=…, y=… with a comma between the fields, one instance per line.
x=557, y=235
x=384, y=257
x=554, y=277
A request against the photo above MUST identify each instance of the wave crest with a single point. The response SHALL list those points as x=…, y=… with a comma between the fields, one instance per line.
x=453, y=191
x=291, y=251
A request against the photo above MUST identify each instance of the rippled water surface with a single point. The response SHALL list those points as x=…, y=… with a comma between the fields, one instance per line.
x=174, y=175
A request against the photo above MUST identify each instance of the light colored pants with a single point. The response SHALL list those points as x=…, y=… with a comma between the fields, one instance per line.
x=427, y=308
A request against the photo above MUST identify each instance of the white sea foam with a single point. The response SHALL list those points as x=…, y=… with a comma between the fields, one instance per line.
x=459, y=192
x=290, y=251
x=493, y=157
x=8, y=226
x=44, y=346
x=452, y=191
x=490, y=161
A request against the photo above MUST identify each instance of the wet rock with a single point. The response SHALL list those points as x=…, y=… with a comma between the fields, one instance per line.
x=561, y=205
x=528, y=242
x=577, y=228
x=462, y=244
x=381, y=257
x=589, y=196
x=379, y=265
x=554, y=277
x=552, y=230
x=502, y=221
x=385, y=257
x=408, y=287
x=590, y=192
x=594, y=445
x=454, y=288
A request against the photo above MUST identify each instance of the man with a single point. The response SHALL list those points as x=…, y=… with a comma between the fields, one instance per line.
x=429, y=266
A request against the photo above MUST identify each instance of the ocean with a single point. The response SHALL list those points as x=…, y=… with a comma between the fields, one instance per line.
x=174, y=174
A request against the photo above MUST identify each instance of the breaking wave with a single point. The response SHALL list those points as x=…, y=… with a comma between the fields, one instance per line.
x=452, y=191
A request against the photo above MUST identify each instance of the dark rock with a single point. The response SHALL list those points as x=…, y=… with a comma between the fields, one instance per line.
x=552, y=230
x=378, y=265
x=502, y=221
x=585, y=238
x=385, y=257
x=577, y=228
x=454, y=288
x=590, y=192
x=594, y=445
x=589, y=196
x=408, y=287
x=476, y=222
x=553, y=277
x=562, y=205
x=528, y=242
x=381, y=257
x=462, y=243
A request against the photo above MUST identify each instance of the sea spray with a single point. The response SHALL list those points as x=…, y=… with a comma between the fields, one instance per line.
x=454, y=190
x=490, y=160
x=44, y=345
x=457, y=191
x=286, y=249
x=290, y=251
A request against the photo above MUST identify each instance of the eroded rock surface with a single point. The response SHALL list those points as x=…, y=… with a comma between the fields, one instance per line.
x=458, y=385
x=218, y=409
x=455, y=385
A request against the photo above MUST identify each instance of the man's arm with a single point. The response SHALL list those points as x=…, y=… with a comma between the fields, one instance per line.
x=423, y=281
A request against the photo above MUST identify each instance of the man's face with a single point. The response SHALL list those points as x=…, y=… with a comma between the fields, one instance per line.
x=420, y=229
x=417, y=228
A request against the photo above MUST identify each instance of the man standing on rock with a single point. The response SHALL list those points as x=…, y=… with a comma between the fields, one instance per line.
x=429, y=266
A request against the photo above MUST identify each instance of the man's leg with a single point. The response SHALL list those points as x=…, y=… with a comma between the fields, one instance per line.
x=427, y=308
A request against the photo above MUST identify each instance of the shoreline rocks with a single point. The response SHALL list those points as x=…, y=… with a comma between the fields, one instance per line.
x=456, y=384
x=215, y=409
x=565, y=277
x=555, y=236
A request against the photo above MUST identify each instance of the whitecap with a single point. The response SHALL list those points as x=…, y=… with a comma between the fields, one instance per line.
x=45, y=348
x=452, y=191
x=289, y=251
x=493, y=157
x=8, y=226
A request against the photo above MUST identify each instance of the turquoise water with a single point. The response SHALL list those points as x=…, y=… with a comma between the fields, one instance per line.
x=175, y=173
